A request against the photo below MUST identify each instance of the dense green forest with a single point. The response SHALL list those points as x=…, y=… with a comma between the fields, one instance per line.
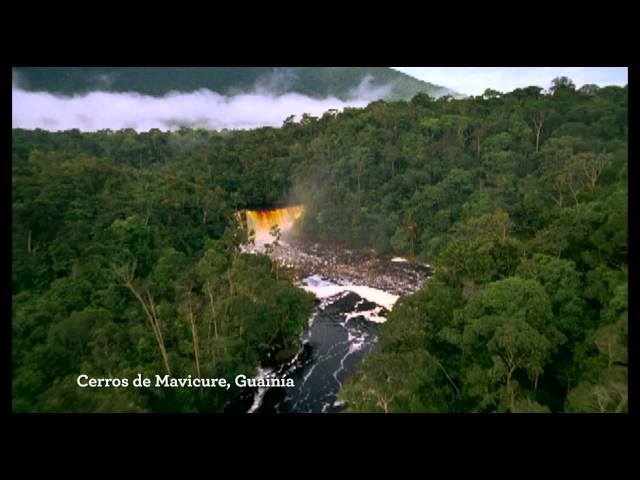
x=126, y=257
x=316, y=82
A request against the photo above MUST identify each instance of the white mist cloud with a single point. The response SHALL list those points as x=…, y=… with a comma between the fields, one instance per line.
x=366, y=91
x=280, y=81
x=199, y=109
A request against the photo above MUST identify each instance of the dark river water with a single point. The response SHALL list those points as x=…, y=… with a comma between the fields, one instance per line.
x=342, y=329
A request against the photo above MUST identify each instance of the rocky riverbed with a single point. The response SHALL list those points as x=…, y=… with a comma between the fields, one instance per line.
x=390, y=274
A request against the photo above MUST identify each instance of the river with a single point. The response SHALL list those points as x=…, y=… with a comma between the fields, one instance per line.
x=356, y=291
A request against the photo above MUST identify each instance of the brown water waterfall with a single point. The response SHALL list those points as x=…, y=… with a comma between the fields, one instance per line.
x=261, y=221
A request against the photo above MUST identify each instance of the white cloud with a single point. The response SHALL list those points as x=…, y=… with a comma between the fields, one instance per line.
x=203, y=108
x=264, y=106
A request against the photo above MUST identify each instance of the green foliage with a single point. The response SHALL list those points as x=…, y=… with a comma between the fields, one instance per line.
x=519, y=200
x=93, y=287
x=527, y=311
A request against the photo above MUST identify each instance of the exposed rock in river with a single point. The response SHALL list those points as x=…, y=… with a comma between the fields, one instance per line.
x=346, y=266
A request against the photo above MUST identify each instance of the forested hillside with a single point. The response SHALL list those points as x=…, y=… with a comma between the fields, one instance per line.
x=316, y=82
x=126, y=259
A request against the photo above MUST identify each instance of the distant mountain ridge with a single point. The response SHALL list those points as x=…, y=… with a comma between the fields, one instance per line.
x=316, y=82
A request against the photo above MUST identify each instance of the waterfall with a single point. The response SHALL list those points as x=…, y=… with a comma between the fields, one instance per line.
x=261, y=222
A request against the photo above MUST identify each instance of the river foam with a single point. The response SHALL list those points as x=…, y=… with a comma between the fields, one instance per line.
x=324, y=289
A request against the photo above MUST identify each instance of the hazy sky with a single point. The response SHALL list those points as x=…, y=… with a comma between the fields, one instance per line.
x=474, y=80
